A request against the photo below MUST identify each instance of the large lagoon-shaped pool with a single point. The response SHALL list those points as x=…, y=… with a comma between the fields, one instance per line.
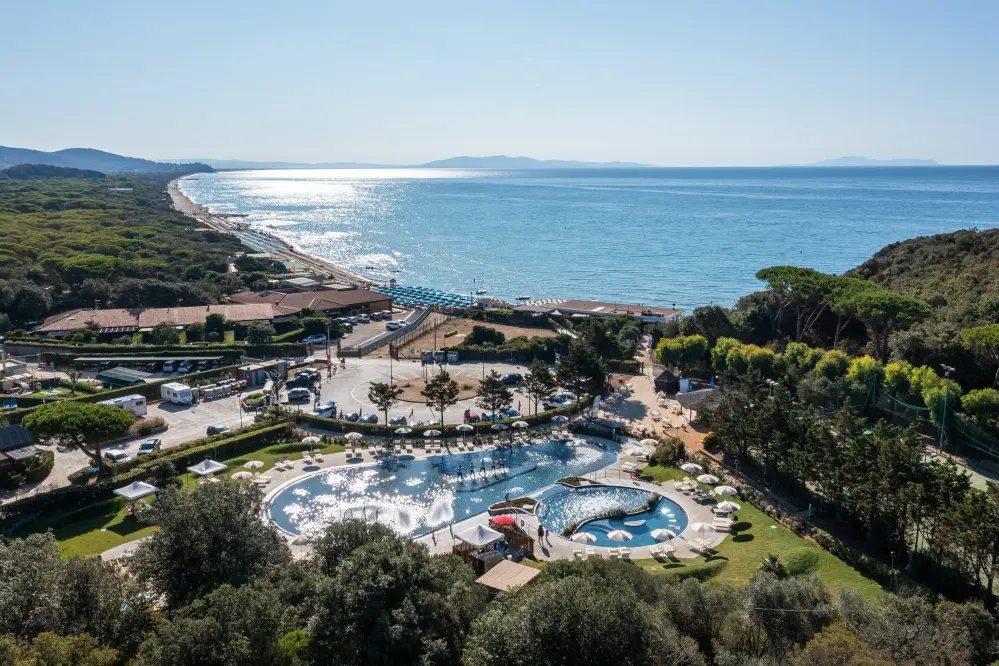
x=415, y=496
x=562, y=507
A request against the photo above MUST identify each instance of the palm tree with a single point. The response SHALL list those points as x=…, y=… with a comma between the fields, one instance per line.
x=772, y=564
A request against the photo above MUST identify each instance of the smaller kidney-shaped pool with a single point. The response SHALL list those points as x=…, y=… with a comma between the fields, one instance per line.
x=570, y=506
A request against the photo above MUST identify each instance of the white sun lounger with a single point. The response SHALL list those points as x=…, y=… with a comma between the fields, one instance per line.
x=625, y=554
x=578, y=554
x=629, y=467
x=612, y=553
x=319, y=457
x=590, y=552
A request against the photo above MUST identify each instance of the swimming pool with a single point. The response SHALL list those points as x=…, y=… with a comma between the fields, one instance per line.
x=414, y=496
x=563, y=506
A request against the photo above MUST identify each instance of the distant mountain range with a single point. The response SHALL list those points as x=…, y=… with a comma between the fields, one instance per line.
x=491, y=162
x=505, y=162
x=92, y=160
x=866, y=161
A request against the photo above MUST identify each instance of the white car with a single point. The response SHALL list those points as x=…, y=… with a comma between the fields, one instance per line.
x=116, y=457
x=394, y=325
x=559, y=400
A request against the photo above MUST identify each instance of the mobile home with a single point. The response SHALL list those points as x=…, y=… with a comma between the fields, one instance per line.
x=177, y=393
x=133, y=403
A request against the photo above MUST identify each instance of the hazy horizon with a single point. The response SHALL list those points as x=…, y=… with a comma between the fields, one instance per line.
x=724, y=84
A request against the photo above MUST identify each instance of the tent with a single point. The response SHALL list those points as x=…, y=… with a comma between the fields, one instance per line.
x=206, y=467
x=480, y=536
x=667, y=382
x=135, y=490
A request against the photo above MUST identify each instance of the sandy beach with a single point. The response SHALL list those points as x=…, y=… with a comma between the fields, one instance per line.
x=259, y=241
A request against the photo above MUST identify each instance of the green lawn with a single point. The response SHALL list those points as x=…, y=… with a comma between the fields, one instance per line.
x=663, y=474
x=97, y=528
x=755, y=535
x=229, y=337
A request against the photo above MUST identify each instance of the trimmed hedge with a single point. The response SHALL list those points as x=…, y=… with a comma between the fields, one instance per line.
x=80, y=494
x=449, y=430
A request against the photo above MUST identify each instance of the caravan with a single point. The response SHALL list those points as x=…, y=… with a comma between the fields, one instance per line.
x=136, y=404
x=177, y=393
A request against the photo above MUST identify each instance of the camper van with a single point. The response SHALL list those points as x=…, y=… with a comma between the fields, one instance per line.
x=177, y=393
x=133, y=403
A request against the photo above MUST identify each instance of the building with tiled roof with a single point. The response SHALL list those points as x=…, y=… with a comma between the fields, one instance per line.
x=133, y=320
x=326, y=301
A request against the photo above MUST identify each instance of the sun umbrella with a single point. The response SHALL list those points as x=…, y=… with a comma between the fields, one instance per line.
x=353, y=436
x=499, y=426
x=707, y=478
x=504, y=520
x=691, y=468
x=311, y=439
x=464, y=427
x=560, y=419
x=700, y=528
x=583, y=537
x=520, y=424
x=253, y=464
x=728, y=491
x=301, y=541
x=403, y=431
x=619, y=535
x=242, y=476
x=432, y=433
x=649, y=442
x=663, y=535
x=728, y=507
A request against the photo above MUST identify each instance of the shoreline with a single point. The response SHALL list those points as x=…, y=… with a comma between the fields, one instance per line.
x=281, y=249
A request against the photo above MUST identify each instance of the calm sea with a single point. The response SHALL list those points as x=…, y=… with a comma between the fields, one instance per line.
x=649, y=236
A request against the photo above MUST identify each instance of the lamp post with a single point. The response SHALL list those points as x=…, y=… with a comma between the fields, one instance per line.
x=943, y=416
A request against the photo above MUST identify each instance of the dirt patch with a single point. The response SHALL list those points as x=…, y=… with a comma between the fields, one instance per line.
x=411, y=389
x=462, y=327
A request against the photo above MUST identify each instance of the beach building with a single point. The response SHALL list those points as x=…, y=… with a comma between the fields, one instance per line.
x=572, y=308
x=287, y=304
x=122, y=321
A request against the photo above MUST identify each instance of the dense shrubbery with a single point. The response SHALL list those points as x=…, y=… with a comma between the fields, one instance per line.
x=70, y=237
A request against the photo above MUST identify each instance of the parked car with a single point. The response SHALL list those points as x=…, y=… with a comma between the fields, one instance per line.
x=353, y=416
x=558, y=400
x=184, y=367
x=148, y=446
x=376, y=316
x=217, y=429
x=511, y=378
x=512, y=413
x=363, y=318
x=471, y=417
x=116, y=457
x=394, y=325
x=310, y=374
x=167, y=366
x=204, y=365
x=326, y=411
x=397, y=421
x=492, y=418
x=299, y=381
x=298, y=394
x=317, y=339
x=368, y=418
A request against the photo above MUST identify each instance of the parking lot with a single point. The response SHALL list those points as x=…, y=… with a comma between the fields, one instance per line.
x=364, y=332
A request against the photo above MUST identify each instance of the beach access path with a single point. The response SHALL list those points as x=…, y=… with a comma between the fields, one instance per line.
x=260, y=241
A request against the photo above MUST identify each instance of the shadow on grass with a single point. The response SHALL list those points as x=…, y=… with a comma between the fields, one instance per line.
x=127, y=526
x=741, y=526
x=742, y=538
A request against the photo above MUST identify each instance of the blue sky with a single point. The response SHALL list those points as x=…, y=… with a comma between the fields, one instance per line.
x=670, y=83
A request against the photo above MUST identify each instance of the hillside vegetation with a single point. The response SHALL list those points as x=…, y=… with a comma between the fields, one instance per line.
x=43, y=171
x=67, y=242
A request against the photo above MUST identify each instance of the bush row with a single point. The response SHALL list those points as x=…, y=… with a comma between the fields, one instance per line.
x=81, y=493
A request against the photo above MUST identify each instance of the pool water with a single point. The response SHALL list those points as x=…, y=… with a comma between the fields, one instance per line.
x=414, y=496
x=563, y=506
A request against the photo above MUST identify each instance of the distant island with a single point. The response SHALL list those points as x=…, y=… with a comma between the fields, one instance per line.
x=90, y=159
x=241, y=165
x=854, y=161
x=506, y=162
x=45, y=171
